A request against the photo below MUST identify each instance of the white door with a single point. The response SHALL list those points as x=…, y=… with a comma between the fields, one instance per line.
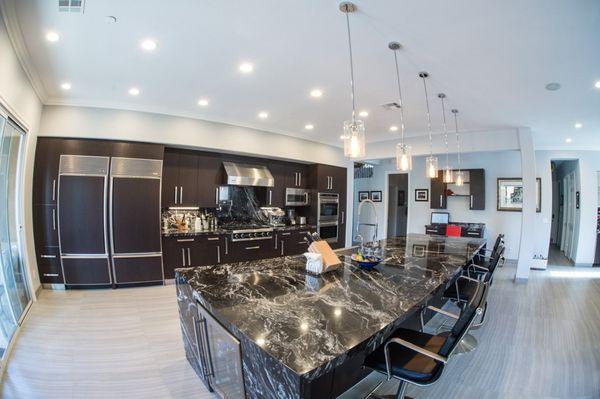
x=565, y=217
x=572, y=217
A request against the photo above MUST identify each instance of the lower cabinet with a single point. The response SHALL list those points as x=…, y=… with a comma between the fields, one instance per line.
x=190, y=251
x=291, y=242
x=240, y=251
x=49, y=265
x=86, y=271
x=142, y=269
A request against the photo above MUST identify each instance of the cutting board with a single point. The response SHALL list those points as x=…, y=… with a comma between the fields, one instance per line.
x=330, y=259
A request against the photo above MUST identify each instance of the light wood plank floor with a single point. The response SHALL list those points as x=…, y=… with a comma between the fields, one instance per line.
x=542, y=340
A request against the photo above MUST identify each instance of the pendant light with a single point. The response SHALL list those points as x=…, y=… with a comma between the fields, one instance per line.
x=431, y=162
x=354, y=129
x=447, y=175
x=403, y=151
x=460, y=175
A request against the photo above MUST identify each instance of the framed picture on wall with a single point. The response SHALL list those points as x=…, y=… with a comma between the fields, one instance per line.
x=376, y=196
x=510, y=194
x=363, y=195
x=422, y=195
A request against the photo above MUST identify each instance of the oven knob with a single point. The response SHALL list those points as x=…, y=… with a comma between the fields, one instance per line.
x=236, y=236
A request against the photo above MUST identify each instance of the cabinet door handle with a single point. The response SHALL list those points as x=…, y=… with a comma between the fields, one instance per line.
x=48, y=256
x=54, y=219
x=181, y=194
x=175, y=194
x=285, y=234
x=189, y=258
x=50, y=274
x=281, y=247
x=299, y=178
x=199, y=346
x=213, y=238
x=53, y=189
x=270, y=197
x=226, y=247
x=275, y=240
x=256, y=247
x=211, y=369
x=343, y=217
x=185, y=240
x=183, y=257
x=217, y=195
x=441, y=200
x=471, y=200
x=218, y=254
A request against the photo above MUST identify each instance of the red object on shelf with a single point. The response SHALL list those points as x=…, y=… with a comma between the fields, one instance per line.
x=453, y=231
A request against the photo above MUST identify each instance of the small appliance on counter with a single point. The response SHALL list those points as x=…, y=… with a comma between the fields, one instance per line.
x=301, y=220
x=275, y=216
x=291, y=215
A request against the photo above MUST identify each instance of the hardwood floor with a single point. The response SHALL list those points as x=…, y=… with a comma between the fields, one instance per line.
x=541, y=340
x=556, y=257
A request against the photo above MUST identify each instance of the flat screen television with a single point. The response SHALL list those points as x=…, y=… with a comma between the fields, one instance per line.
x=440, y=217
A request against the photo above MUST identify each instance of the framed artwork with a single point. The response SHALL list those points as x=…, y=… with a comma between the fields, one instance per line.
x=422, y=195
x=376, y=196
x=363, y=195
x=510, y=194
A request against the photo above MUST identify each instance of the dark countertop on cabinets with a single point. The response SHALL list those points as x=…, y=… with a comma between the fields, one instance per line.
x=284, y=316
x=191, y=232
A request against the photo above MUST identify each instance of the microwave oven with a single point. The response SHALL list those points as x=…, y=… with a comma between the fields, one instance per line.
x=297, y=197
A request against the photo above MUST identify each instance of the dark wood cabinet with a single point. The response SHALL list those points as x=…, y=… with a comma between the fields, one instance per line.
x=170, y=180
x=327, y=178
x=296, y=176
x=477, y=189
x=438, y=199
x=210, y=177
x=292, y=242
x=276, y=194
x=180, y=179
x=49, y=267
x=191, y=251
x=45, y=225
x=45, y=176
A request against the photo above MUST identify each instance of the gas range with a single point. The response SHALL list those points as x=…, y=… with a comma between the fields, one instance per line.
x=251, y=233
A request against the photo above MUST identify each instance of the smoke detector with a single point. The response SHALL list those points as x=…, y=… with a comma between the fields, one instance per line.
x=71, y=6
x=391, y=106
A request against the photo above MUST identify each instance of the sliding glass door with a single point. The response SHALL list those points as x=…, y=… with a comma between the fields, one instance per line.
x=14, y=293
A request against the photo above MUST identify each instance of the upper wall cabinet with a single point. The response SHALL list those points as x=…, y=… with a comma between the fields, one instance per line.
x=327, y=178
x=473, y=190
x=210, y=177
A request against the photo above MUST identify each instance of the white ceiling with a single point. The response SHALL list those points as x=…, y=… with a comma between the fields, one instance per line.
x=491, y=58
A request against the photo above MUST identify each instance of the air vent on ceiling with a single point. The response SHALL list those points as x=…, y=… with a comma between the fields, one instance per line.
x=73, y=6
x=391, y=106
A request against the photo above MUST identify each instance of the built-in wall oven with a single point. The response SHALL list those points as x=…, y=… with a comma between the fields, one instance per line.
x=327, y=216
x=296, y=197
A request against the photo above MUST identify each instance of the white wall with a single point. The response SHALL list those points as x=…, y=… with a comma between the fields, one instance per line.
x=589, y=164
x=496, y=164
x=20, y=100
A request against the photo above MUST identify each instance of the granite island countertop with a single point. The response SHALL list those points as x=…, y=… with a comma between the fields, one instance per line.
x=310, y=323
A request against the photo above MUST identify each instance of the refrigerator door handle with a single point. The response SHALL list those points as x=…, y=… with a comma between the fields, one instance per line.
x=200, y=347
x=211, y=370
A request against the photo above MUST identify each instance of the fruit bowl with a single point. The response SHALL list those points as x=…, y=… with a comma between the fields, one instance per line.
x=367, y=262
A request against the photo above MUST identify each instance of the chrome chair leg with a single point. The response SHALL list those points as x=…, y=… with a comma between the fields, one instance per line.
x=401, y=390
x=466, y=345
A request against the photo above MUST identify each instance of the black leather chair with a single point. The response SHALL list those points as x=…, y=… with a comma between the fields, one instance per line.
x=484, y=260
x=419, y=358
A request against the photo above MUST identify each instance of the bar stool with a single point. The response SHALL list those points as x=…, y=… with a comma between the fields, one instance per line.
x=418, y=358
x=482, y=259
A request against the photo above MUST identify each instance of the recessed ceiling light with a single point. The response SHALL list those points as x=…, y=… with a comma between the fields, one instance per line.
x=316, y=93
x=363, y=114
x=52, y=36
x=568, y=140
x=393, y=128
x=65, y=86
x=203, y=102
x=246, y=67
x=263, y=115
x=597, y=85
x=553, y=86
x=309, y=126
x=134, y=91
x=578, y=125
x=148, y=45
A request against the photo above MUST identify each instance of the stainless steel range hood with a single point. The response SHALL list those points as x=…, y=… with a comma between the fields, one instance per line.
x=239, y=174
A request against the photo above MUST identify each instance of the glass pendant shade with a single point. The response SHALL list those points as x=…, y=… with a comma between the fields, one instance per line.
x=459, y=178
x=447, y=177
x=431, y=167
x=354, y=139
x=403, y=157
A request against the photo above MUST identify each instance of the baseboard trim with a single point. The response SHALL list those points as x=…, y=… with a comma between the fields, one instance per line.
x=584, y=265
x=521, y=280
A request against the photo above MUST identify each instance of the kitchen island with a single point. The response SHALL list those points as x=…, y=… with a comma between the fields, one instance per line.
x=267, y=329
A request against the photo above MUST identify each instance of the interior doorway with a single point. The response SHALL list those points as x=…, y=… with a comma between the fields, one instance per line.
x=564, y=230
x=397, y=212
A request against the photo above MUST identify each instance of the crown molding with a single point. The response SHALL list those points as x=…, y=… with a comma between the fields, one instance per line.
x=15, y=35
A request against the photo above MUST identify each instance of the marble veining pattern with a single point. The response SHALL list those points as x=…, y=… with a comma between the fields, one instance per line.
x=307, y=322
